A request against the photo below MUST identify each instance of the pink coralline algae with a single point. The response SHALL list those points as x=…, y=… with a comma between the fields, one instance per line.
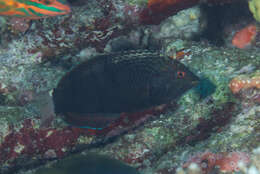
x=32, y=141
x=225, y=162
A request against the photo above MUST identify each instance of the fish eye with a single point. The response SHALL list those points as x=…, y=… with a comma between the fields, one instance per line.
x=180, y=74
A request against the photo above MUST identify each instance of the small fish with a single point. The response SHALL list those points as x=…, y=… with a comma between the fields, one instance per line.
x=244, y=37
x=33, y=9
x=95, y=92
x=88, y=164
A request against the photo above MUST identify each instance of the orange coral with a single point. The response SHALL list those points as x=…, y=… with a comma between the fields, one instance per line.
x=244, y=37
x=244, y=82
x=225, y=162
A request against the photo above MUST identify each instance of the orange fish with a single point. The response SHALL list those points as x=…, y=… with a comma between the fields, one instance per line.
x=33, y=9
x=180, y=54
x=244, y=37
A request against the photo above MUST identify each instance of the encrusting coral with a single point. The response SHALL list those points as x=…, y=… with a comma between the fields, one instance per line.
x=244, y=82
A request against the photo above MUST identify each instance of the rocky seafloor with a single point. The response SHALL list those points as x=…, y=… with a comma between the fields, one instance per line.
x=210, y=129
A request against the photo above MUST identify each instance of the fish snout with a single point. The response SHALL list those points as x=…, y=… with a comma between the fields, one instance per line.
x=195, y=82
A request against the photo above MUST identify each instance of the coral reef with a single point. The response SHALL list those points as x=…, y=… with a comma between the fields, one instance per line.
x=219, y=117
x=28, y=139
x=224, y=162
x=244, y=37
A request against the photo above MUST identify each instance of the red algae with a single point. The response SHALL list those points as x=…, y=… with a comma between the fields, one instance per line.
x=30, y=141
x=226, y=162
x=219, y=118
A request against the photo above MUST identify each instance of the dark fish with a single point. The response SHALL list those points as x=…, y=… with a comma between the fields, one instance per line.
x=95, y=92
x=89, y=164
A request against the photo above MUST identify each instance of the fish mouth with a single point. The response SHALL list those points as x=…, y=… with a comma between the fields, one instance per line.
x=195, y=82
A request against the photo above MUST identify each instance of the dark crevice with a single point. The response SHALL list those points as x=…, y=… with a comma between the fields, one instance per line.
x=218, y=17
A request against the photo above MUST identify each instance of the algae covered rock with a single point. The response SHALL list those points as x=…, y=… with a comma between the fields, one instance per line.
x=254, y=6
